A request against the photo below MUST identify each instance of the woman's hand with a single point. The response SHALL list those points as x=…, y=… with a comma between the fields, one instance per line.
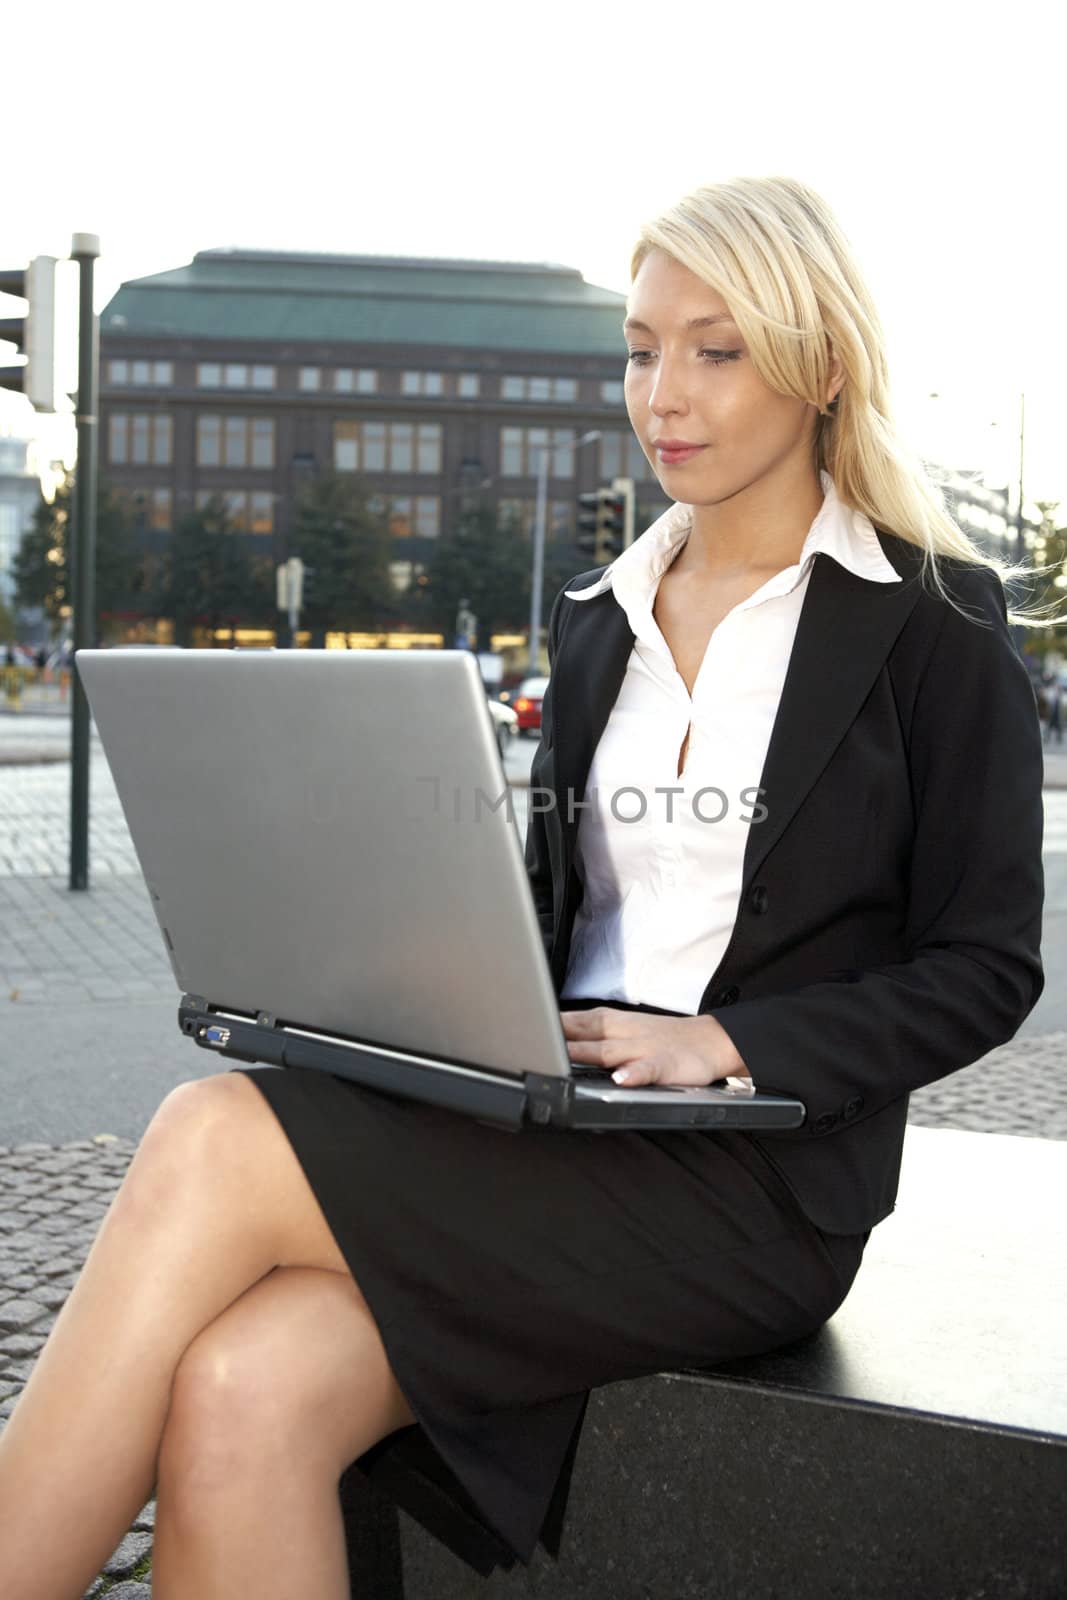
x=638, y=1047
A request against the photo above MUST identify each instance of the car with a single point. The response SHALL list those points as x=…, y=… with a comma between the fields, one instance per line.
x=527, y=704
x=506, y=723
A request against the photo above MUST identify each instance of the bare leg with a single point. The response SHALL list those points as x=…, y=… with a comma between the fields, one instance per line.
x=214, y=1199
x=270, y=1404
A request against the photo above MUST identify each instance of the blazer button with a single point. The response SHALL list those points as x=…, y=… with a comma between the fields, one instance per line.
x=758, y=899
x=824, y=1123
x=853, y=1107
x=726, y=997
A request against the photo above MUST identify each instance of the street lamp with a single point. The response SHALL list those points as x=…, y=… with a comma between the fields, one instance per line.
x=539, y=544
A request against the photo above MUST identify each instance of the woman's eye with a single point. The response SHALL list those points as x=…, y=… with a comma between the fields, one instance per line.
x=716, y=358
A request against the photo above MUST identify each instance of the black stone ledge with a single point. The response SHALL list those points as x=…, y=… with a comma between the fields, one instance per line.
x=916, y=1446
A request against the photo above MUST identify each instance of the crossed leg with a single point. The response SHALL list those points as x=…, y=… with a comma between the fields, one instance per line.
x=214, y=1345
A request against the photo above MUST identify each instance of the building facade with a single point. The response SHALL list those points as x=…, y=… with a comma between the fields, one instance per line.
x=246, y=372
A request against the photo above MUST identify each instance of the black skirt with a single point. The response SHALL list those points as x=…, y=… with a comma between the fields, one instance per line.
x=510, y=1273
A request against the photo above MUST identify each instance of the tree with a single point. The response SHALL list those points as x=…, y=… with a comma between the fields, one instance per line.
x=211, y=579
x=1050, y=550
x=486, y=563
x=7, y=621
x=42, y=565
x=348, y=548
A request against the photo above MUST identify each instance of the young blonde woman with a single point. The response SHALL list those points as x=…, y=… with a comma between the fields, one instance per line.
x=795, y=766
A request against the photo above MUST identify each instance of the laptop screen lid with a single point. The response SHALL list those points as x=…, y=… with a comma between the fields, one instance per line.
x=327, y=837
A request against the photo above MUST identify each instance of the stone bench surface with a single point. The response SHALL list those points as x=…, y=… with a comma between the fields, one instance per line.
x=960, y=1307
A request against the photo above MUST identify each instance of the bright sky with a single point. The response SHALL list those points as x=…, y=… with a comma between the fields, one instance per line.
x=548, y=133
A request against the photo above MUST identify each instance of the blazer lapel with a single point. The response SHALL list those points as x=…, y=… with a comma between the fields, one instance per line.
x=846, y=629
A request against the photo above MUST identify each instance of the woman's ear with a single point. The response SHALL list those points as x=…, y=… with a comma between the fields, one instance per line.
x=837, y=377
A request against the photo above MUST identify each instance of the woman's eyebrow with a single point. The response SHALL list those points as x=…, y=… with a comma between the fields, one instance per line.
x=694, y=322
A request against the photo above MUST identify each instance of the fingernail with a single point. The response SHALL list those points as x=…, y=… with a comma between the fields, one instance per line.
x=620, y=1075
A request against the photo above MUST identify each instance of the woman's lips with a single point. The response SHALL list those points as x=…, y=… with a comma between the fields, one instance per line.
x=673, y=457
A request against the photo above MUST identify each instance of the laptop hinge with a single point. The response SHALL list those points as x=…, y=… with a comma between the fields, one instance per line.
x=547, y=1099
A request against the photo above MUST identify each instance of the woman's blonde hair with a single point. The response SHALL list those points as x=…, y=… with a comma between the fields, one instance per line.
x=774, y=251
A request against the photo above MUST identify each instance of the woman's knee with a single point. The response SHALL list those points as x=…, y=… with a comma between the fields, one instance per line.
x=197, y=1130
x=293, y=1374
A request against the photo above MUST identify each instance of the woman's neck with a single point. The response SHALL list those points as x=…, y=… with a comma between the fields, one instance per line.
x=760, y=529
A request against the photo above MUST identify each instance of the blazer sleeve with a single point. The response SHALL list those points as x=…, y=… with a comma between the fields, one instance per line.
x=851, y=1044
x=537, y=856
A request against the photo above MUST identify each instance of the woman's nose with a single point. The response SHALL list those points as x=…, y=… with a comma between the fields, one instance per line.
x=668, y=389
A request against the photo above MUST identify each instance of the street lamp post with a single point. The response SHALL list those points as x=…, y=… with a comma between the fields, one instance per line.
x=539, y=545
x=85, y=248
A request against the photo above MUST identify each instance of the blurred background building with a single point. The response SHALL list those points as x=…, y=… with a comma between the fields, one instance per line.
x=246, y=372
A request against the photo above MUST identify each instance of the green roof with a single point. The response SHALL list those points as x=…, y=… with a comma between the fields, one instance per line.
x=264, y=295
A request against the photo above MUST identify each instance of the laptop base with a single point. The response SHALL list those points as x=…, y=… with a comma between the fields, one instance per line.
x=490, y=1097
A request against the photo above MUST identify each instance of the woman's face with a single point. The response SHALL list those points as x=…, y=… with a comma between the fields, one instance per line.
x=698, y=384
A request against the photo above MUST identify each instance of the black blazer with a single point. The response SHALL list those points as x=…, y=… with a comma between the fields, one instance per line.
x=889, y=923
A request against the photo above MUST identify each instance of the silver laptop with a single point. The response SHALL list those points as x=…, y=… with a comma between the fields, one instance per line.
x=330, y=846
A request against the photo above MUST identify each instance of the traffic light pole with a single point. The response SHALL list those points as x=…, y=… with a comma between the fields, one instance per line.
x=85, y=248
x=538, y=577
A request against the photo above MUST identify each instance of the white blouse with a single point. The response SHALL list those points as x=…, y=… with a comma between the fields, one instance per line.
x=661, y=856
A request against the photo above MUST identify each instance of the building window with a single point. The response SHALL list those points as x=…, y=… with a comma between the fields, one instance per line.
x=233, y=375
x=309, y=378
x=425, y=383
x=234, y=442
x=260, y=511
x=150, y=508
x=408, y=514
x=611, y=393
x=521, y=515
x=521, y=448
x=248, y=510
x=141, y=439
x=427, y=516
x=355, y=380
x=399, y=515
x=563, y=391
x=621, y=456
x=467, y=386
x=386, y=446
x=208, y=441
x=144, y=374
x=346, y=446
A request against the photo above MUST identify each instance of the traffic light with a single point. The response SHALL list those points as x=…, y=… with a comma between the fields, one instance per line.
x=606, y=520
x=34, y=333
x=601, y=524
